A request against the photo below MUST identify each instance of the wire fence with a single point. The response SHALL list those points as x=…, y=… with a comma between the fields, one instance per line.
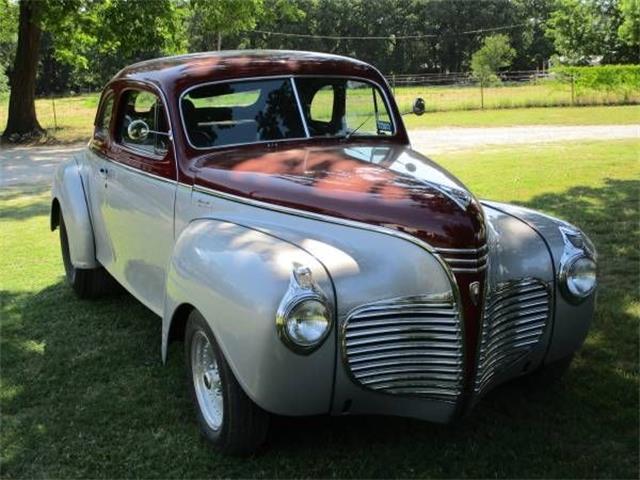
x=70, y=117
x=515, y=89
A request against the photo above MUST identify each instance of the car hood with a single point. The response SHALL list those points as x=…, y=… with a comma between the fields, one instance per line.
x=390, y=186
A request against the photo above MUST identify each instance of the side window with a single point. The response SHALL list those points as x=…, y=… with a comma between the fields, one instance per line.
x=142, y=123
x=104, y=115
x=321, y=109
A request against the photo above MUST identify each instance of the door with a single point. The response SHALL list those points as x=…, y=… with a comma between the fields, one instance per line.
x=141, y=184
x=94, y=172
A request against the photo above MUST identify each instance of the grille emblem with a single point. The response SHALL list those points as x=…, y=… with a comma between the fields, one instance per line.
x=474, y=291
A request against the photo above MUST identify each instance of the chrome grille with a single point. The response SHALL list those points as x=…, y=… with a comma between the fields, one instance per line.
x=515, y=317
x=465, y=260
x=408, y=346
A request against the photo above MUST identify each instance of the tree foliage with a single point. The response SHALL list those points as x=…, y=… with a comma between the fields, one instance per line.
x=8, y=39
x=496, y=53
x=584, y=31
x=629, y=30
x=213, y=20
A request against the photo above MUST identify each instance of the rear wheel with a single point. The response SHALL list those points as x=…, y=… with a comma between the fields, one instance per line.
x=86, y=283
x=226, y=415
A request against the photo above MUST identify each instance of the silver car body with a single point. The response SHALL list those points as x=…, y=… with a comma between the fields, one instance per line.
x=232, y=259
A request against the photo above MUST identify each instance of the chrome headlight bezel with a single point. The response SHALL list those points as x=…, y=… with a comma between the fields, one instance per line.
x=577, y=247
x=566, y=274
x=302, y=290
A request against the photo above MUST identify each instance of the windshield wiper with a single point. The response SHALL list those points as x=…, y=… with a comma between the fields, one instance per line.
x=348, y=135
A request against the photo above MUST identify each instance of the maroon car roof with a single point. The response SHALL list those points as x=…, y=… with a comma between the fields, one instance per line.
x=179, y=72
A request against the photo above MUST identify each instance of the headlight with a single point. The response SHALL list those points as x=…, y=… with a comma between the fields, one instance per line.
x=307, y=323
x=304, y=315
x=579, y=278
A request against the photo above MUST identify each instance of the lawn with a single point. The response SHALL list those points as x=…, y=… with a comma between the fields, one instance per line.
x=542, y=94
x=83, y=392
x=527, y=116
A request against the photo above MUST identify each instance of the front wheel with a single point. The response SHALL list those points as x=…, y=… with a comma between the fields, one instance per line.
x=226, y=415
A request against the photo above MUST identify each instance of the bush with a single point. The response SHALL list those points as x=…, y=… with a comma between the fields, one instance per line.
x=613, y=79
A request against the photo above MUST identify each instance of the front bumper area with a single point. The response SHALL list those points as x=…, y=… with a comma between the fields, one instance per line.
x=412, y=363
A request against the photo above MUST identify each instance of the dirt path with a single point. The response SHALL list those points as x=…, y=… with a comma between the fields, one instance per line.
x=440, y=140
x=32, y=165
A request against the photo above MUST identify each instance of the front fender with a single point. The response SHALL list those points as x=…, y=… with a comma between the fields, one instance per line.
x=68, y=195
x=236, y=277
x=571, y=322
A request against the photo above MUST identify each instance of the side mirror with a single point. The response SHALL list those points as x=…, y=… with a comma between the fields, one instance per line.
x=419, y=106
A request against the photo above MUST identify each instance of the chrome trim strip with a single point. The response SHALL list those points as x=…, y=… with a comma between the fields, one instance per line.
x=325, y=218
x=394, y=121
x=463, y=251
x=137, y=170
x=467, y=261
x=468, y=270
x=304, y=120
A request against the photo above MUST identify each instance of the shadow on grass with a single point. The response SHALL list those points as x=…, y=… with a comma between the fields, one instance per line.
x=27, y=210
x=84, y=393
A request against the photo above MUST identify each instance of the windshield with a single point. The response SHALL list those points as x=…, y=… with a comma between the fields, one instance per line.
x=241, y=112
x=341, y=107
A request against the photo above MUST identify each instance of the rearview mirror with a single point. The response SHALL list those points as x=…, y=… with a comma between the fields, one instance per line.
x=419, y=106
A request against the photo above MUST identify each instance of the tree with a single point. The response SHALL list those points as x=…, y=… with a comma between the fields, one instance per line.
x=587, y=30
x=214, y=19
x=629, y=31
x=34, y=15
x=495, y=53
x=22, y=120
x=95, y=38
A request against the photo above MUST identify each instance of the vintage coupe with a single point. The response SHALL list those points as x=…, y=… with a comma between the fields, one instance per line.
x=267, y=205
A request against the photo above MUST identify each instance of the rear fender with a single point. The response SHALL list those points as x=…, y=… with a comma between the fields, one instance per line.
x=69, y=199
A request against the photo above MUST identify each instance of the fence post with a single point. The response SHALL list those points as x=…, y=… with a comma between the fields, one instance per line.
x=55, y=119
x=573, y=90
x=481, y=95
x=393, y=84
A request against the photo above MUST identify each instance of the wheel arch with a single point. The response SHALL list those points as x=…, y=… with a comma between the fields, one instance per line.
x=178, y=325
x=69, y=200
x=54, y=218
x=235, y=277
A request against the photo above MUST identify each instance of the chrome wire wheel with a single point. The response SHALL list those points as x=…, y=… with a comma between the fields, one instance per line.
x=206, y=380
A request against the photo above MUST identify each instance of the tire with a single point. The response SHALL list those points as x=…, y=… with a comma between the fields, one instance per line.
x=86, y=283
x=228, y=419
x=548, y=374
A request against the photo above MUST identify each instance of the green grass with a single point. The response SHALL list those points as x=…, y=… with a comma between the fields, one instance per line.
x=527, y=116
x=542, y=94
x=83, y=393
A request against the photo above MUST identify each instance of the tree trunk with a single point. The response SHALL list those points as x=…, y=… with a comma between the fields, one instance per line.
x=219, y=41
x=22, y=120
